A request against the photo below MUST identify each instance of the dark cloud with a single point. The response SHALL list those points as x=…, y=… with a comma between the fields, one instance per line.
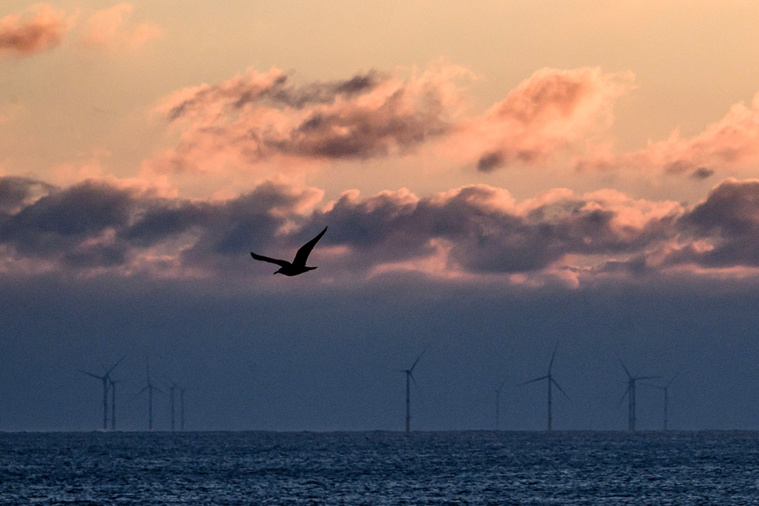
x=702, y=173
x=685, y=166
x=64, y=223
x=730, y=210
x=499, y=159
x=476, y=229
x=490, y=161
x=729, y=220
x=96, y=225
x=290, y=95
x=484, y=237
x=162, y=220
x=274, y=90
x=16, y=191
x=361, y=133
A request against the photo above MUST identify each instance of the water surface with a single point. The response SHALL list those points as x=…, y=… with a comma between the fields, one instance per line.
x=380, y=468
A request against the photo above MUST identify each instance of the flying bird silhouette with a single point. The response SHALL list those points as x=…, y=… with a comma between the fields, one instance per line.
x=298, y=265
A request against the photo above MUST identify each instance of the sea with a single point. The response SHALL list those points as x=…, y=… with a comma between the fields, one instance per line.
x=379, y=468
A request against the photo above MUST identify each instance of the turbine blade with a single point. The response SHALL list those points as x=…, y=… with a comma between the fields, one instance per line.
x=560, y=389
x=627, y=392
x=412, y=378
x=533, y=381
x=624, y=367
x=419, y=357
x=553, y=355
x=90, y=374
x=114, y=365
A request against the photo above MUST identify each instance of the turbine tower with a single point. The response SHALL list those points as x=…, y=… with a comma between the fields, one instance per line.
x=409, y=378
x=630, y=394
x=149, y=388
x=181, y=409
x=107, y=383
x=113, y=402
x=173, y=387
x=665, y=389
x=551, y=382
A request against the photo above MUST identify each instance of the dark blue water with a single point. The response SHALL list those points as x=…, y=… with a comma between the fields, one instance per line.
x=380, y=468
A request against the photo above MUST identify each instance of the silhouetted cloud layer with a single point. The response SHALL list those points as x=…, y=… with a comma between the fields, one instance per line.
x=96, y=227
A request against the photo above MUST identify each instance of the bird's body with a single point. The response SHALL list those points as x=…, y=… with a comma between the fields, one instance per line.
x=298, y=265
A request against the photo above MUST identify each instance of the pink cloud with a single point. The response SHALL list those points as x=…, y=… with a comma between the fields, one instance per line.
x=110, y=28
x=550, y=111
x=41, y=28
x=260, y=116
x=729, y=145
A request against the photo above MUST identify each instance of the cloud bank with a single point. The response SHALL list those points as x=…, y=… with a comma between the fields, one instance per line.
x=94, y=227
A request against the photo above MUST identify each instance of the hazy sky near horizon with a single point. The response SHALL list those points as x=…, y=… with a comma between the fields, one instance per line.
x=496, y=177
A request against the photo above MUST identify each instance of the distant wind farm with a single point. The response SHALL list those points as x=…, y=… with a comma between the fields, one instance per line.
x=175, y=396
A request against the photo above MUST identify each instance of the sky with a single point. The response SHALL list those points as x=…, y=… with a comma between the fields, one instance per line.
x=499, y=180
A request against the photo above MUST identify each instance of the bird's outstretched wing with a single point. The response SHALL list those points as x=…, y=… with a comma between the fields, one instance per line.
x=302, y=255
x=281, y=263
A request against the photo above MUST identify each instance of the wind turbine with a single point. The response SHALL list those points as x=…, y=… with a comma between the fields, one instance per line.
x=551, y=382
x=107, y=383
x=665, y=389
x=630, y=394
x=173, y=387
x=181, y=408
x=409, y=378
x=149, y=388
x=113, y=402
